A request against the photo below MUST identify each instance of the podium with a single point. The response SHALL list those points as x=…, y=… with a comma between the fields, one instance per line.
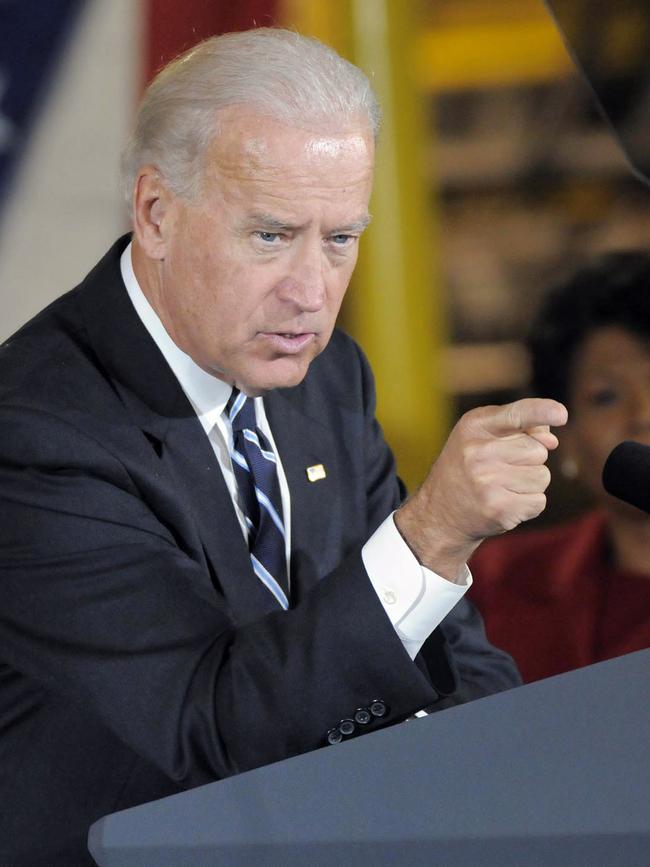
x=553, y=773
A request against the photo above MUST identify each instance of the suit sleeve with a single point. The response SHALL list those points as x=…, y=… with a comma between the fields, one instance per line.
x=459, y=661
x=100, y=605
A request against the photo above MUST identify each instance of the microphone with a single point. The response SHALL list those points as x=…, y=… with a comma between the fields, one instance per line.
x=626, y=474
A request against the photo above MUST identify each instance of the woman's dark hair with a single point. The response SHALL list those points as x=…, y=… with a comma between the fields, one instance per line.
x=615, y=290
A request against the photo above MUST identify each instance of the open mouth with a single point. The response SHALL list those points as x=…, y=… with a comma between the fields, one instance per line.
x=288, y=342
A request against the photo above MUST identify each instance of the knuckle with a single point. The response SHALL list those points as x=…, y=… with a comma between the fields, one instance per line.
x=526, y=448
x=532, y=450
x=465, y=421
x=539, y=452
x=536, y=506
x=511, y=415
x=477, y=419
x=535, y=480
x=474, y=453
x=494, y=504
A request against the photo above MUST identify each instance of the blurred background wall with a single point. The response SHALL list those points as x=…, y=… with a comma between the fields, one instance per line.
x=496, y=174
x=68, y=79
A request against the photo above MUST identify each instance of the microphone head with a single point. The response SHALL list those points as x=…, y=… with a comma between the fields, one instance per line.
x=626, y=474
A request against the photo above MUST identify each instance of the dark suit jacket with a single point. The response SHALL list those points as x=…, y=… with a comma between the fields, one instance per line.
x=138, y=656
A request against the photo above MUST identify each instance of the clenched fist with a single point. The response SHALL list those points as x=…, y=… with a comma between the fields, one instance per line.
x=490, y=476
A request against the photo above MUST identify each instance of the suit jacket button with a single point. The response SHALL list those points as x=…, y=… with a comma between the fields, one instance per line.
x=362, y=716
x=378, y=708
x=346, y=727
x=334, y=736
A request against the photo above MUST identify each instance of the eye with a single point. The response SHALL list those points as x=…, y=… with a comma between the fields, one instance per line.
x=605, y=396
x=343, y=240
x=267, y=237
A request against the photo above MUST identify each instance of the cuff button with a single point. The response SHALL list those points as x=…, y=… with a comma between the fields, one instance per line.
x=346, y=727
x=334, y=736
x=362, y=716
x=378, y=708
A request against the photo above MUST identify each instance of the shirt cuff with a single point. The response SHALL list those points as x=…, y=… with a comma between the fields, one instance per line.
x=415, y=598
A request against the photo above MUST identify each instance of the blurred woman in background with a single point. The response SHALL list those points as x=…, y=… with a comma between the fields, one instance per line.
x=579, y=592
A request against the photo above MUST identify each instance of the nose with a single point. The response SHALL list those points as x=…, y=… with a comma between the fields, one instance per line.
x=304, y=286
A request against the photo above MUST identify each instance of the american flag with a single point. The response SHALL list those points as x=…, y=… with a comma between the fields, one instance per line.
x=70, y=75
x=32, y=34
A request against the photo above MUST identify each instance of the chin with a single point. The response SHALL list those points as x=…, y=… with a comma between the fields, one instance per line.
x=279, y=375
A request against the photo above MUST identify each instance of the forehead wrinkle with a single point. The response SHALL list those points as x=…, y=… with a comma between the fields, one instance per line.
x=256, y=150
x=247, y=158
x=273, y=177
x=309, y=179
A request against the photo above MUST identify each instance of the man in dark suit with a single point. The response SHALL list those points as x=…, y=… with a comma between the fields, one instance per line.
x=184, y=596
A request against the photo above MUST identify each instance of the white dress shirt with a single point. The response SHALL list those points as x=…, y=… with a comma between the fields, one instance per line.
x=414, y=598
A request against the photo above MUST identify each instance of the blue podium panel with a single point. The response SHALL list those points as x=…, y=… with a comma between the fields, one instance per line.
x=553, y=773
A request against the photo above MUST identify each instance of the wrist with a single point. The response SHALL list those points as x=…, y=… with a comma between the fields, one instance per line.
x=435, y=544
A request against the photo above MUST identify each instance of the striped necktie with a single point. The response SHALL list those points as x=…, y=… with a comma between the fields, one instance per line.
x=255, y=468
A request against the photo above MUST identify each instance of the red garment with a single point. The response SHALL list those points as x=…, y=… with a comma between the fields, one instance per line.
x=550, y=598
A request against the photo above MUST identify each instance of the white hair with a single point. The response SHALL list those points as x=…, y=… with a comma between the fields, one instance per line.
x=277, y=72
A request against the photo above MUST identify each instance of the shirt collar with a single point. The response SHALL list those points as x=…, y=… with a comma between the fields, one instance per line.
x=207, y=394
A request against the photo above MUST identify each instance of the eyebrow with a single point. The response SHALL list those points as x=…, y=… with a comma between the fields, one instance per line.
x=275, y=224
x=356, y=226
x=269, y=221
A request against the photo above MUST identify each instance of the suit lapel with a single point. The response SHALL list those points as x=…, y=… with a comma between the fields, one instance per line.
x=157, y=405
x=188, y=456
x=304, y=441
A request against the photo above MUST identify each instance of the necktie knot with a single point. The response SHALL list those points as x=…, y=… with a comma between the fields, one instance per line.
x=241, y=411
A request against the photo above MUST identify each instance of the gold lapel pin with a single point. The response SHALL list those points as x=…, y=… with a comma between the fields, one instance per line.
x=316, y=473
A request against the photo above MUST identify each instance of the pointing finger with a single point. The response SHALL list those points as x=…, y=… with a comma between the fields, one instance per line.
x=523, y=415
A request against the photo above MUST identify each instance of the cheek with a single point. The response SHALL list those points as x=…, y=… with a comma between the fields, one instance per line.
x=593, y=449
x=213, y=290
x=599, y=426
x=338, y=285
x=583, y=438
x=591, y=439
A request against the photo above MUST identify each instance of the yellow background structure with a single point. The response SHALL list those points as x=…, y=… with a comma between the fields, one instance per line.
x=394, y=308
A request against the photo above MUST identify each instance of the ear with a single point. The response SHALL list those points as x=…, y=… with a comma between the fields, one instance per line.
x=153, y=205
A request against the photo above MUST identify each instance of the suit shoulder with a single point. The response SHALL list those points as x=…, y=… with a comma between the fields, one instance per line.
x=32, y=359
x=342, y=366
x=338, y=385
x=49, y=362
x=341, y=349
